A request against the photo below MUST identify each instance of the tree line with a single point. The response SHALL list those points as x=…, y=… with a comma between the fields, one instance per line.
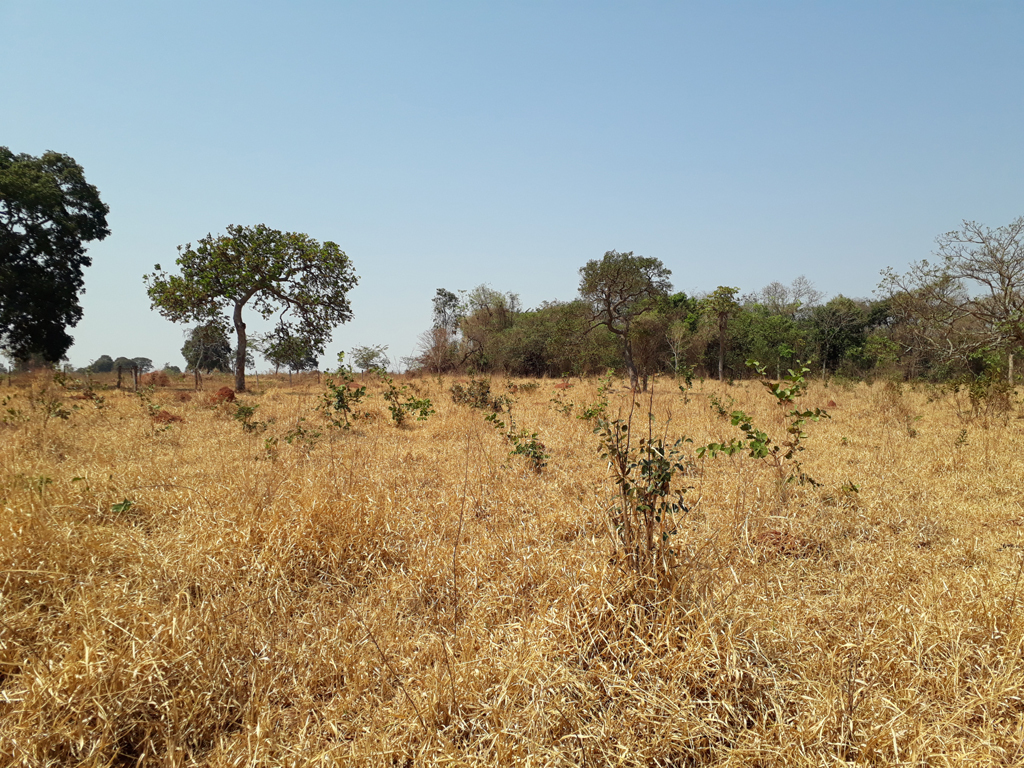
x=962, y=315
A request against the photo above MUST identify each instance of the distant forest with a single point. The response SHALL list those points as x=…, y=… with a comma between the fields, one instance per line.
x=489, y=332
x=960, y=317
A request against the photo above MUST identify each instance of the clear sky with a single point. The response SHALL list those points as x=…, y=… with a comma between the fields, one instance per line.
x=450, y=144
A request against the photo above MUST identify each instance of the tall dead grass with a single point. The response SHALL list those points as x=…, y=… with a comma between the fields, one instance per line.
x=416, y=596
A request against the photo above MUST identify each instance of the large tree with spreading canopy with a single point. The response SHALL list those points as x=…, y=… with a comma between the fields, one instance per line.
x=288, y=274
x=47, y=213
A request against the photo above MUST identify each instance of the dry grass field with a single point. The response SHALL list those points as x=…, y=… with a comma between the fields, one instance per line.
x=417, y=596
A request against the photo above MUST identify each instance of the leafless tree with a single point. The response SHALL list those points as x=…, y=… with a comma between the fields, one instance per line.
x=971, y=298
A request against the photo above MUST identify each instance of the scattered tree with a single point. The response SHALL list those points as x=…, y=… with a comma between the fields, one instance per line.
x=284, y=348
x=371, y=357
x=836, y=327
x=619, y=289
x=720, y=306
x=102, y=364
x=47, y=213
x=282, y=273
x=207, y=349
x=144, y=364
x=448, y=311
x=972, y=299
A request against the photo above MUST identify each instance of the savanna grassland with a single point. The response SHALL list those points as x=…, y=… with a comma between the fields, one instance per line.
x=193, y=592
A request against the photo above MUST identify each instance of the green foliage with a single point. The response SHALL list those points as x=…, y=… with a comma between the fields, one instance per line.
x=207, y=347
x=402, y=403
x=448, y=311
x=524, y=443
x=720, y=409
x=780, y=455
x=721, y=305
x=245, y=415
x=11, y=415
x=48, y=401
x=597, y=409
x=961, y=440
x=280, y=273
x=982, y=397
x=836, y=329
x=559, y=403
x=619, y=289
x=647, y=513
x=477, y=394
x=686, y=371
x=145, y=395
x=340, y=397
x=102, y=364
x=285, y=348
x=371, y=357
x=47, y=213
x=301, y=436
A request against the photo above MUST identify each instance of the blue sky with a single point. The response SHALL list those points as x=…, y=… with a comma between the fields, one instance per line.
x=453, y=144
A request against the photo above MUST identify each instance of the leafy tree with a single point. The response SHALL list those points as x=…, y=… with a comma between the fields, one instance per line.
x=651, y=350
x=280, y=272
x=721, y=305
x=207, y=348
x=102, y=364
x=371, y=357
x=836, y=328
x=972, y=299
x=448, y=311
x=127, y=365
x=47, y=213
x=619, y=289
x=144, y=364
x=282, y=347
x=487, y=314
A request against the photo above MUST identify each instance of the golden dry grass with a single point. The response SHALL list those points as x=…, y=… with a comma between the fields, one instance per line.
x=415, y=596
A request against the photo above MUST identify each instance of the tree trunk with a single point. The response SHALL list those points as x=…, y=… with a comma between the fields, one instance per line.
x=627, y=353
x=1009, y=368
x=721, y=347
x=240, y=352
